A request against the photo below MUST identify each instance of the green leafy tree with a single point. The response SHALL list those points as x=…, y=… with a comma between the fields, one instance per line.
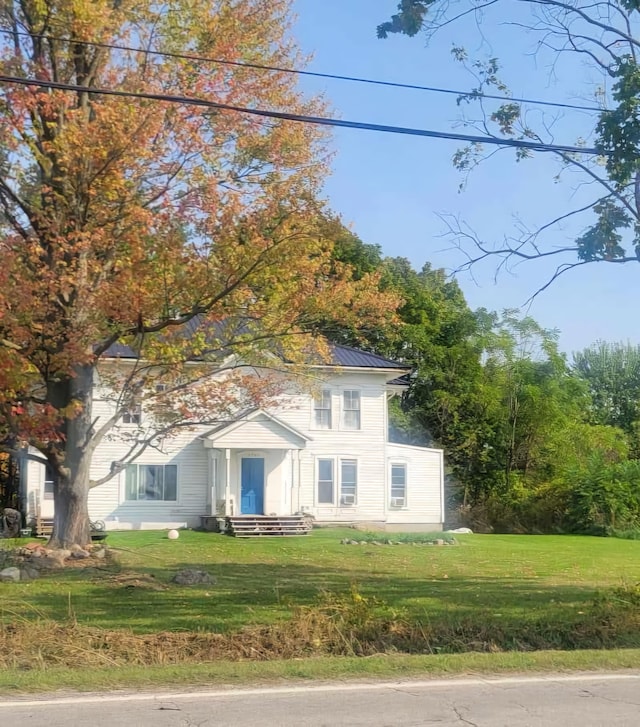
x=447, y=401
x=612, y=373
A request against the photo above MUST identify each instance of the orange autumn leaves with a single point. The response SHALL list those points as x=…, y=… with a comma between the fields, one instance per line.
x=122, y=219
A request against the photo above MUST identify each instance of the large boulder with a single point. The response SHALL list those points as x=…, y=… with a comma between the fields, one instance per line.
x=27, y=573
x=10, y=575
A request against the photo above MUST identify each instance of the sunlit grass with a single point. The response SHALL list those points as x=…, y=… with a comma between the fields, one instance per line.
x=260, y=581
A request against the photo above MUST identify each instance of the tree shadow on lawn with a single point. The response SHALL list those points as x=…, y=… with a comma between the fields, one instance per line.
x=260, y=593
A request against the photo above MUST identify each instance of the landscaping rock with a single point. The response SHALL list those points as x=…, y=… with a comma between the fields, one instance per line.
x=100, y=554
x=461, y=531
x=10, y=575
x=192, y=577
x=52, y=559
x=29, y=574
x=32, y=547
x=80, y=553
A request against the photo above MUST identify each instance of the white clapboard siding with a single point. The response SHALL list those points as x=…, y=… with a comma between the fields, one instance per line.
x=257, y=433
x=424, y=485
x=290, y=452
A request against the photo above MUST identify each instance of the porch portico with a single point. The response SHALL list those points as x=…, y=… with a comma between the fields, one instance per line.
x=254, y=466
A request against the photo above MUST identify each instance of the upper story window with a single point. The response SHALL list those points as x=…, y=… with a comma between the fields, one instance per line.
x=351, y=410
x=151, y=482
x=398, y=485
x=133, y=413
x=322, y=410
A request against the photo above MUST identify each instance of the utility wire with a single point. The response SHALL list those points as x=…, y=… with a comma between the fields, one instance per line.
x=314, y=74
x=318, y=120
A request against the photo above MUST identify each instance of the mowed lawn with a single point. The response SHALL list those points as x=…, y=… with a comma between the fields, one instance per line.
x=510, y=577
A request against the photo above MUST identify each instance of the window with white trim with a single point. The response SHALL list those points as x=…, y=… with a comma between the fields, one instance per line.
x=322, y=409
x=351, y=409
x=49, y=482
x=398, y=484
x=133, y=413
x=337, y=482
x=348, y=481
x=325, y=482
x=157, y=482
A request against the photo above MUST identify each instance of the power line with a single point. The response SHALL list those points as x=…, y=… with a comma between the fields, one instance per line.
x=314, y=74
x=302, y=118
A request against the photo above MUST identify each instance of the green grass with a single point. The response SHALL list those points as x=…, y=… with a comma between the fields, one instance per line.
x=259, y=581
x=510, y=580
x=326, y=668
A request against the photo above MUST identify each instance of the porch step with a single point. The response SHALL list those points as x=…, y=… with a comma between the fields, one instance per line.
x=260, y=526
x=43, y=527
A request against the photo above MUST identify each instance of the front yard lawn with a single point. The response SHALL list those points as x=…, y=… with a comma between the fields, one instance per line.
x=259, y=581
x=487, y=593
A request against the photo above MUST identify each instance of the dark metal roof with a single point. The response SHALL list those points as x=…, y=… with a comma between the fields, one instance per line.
x=401, y=381
x=346, y=356
x=119, y=350
x=340, y=355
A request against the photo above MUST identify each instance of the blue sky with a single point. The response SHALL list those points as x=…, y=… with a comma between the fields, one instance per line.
x=392, y=190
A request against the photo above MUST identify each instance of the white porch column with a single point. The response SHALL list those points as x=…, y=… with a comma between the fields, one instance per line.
x=298, y=478
x=227, y=485
x=212, y=482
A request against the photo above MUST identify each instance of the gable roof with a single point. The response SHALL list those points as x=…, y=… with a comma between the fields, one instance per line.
x=260, y=417
x=344, y=356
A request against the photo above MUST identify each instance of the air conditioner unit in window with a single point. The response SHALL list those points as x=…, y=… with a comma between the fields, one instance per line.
x=397, y=502
x=348, y=500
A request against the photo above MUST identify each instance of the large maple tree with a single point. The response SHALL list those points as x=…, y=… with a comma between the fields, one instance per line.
x=186, y=234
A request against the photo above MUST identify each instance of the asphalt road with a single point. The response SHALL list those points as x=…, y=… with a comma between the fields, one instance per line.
x=568, y=701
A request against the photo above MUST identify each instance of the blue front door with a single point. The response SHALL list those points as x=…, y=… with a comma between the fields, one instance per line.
x=252, y=486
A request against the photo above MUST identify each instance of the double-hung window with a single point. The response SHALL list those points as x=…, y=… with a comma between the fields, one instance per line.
x=322, y=409
x=351, y=410
x=337, y=481
x=398, y=484
x=49, y=482
x=326, y=483
x=348, y=481
x=133, y=413
x=152, y=482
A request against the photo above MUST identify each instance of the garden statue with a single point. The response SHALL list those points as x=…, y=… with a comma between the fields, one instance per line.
x=11, y=523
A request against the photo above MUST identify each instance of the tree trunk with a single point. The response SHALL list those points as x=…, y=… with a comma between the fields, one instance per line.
x=71, y=490
x=71, y=516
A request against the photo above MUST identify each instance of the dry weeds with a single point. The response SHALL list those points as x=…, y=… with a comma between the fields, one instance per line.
x=343, y=625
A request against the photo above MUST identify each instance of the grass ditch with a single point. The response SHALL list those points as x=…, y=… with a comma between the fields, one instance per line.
x=241, y=673
x=337, y=625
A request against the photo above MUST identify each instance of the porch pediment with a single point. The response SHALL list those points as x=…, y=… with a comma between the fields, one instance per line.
x=256, y=430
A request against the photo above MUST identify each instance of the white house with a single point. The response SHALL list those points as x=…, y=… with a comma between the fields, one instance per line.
x=326, y=454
